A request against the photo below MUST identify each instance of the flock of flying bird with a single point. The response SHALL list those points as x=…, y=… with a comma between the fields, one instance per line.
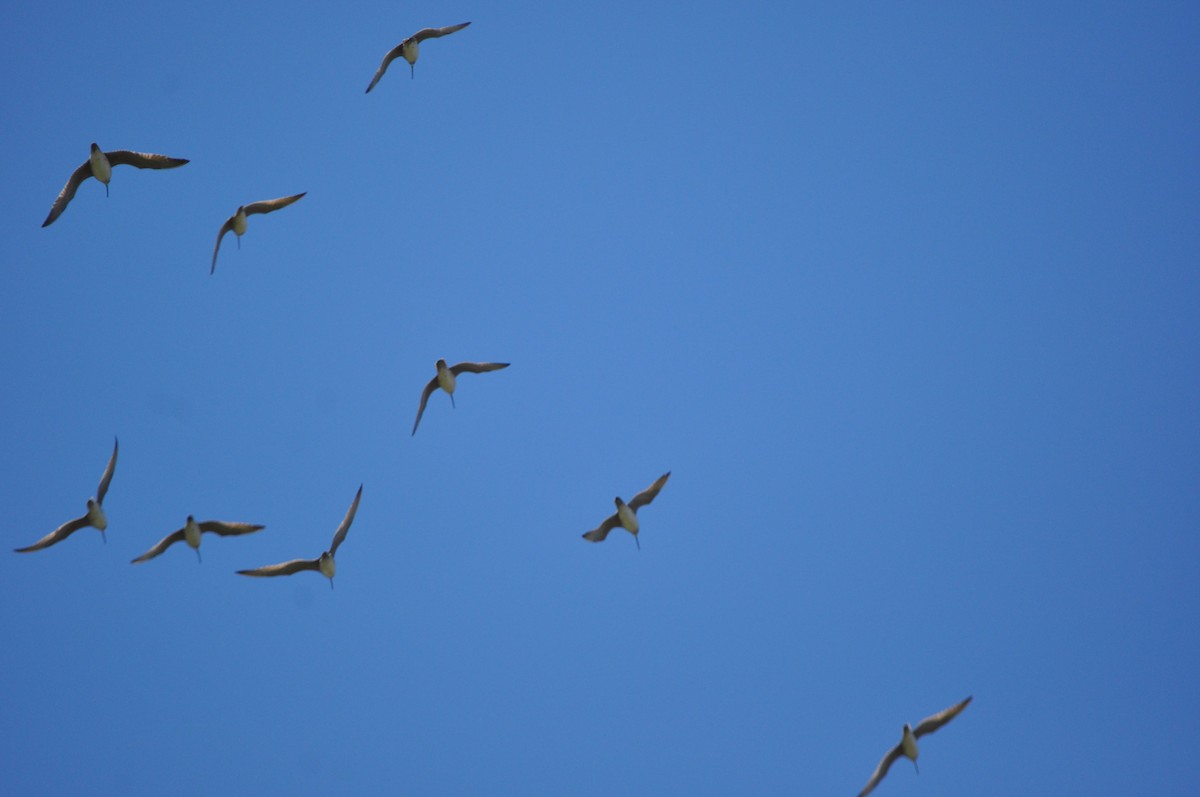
x=100, y=165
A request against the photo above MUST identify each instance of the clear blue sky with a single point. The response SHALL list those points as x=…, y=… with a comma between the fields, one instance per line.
x=904, y=295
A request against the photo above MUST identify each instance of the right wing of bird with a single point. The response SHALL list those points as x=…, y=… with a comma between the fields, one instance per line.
x=600, y=532
x=58, y=535
x=284, y=568
x=881, y=770
x=162, y=545
x=425, y=394
x=68, y=192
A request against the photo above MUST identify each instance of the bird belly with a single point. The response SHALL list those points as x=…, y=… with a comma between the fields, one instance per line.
x=628, y=518
x=239, y=224
x=446, y=380
x=101, y=168
x=96, y=517
x=908, y=743
x=410, y=52
x=191, y=535
x=328, y=567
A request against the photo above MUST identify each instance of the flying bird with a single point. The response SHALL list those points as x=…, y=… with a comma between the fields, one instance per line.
x=409, y=49
x=626, y=514
x=323, y=564
x=191, y=532
x=908, y=743
x=237, y=222
x=93, y=517
x=99, y=165
x=445, y=379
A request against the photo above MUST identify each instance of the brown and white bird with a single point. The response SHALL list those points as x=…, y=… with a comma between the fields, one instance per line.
x=445, y=379
x=908, y=743
x=100, y=165
x=191, y=531
x=626, y=514
x=94, y=516
x=323, y=564
x=410, y=48
x=237, y=222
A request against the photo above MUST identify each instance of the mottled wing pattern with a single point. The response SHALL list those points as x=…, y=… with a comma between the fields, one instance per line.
x=600, y=532
x=931, y=724
x=58, y=535
x=340, y=534
x=881, y=770
x=68, y=192
x=392, y=55
x=425, y=394
x=162, y=545
x=476, y=368
x=268, y=205
x=106, y=478
x=284, y=568
x=226, y=227
x=226, y=528
x=647, y=495
x=143, y=160
x=434, y=33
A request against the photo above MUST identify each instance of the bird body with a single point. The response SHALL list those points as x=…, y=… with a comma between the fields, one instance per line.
x=627, y=517
x=445, y=377
x=100, y=165
x=94, y=516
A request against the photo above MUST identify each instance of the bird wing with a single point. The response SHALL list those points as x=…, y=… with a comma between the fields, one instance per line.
x=882, y=769
x=162, y=545
x=476, y=368
x=647, y=495
x=268, y=205
x=392, y=55
x=931, y=724
x=340, y=534
x=229, y=529
x=284, y=568
x=425, y=394
x=226, y=227
x=143, y=160
x=68, y=192
x=106, y=478
x=600, y=532
x=434, y=33
x=58, y=535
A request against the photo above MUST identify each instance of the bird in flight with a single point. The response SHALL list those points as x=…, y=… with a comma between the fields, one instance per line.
x=908, y=743
x=191, y=531
x=237, y=222
x=100, y=165
x=409, y=49
x=626, y=514
x=324, y=563
x=94, y=516
x=445, y=379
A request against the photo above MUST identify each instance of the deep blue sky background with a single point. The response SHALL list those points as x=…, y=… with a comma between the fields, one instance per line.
x=904, y=295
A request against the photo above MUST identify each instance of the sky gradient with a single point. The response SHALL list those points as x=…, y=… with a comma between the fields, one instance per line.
x=903, y=296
